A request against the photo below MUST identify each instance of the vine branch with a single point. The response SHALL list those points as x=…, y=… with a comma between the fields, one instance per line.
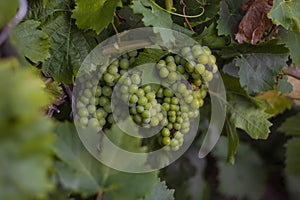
x=16, y=20
x=291, y=71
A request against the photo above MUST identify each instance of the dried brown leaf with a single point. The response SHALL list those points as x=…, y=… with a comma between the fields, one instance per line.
x=255, y=22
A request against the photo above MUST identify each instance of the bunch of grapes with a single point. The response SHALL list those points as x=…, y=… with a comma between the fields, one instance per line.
x=172, y=105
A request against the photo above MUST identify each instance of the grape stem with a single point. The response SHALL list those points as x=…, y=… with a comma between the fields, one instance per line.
x=16, y=20
x=291, y=71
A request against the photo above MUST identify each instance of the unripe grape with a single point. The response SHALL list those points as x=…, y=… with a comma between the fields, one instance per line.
x=165, y=132
x=163, y=72
x=83, y=121
x=166, y=141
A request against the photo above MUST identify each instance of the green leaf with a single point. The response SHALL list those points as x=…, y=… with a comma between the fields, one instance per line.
x=269, y=47
x=188, y=168
x=284, y=86
x=153, y=16
x=231, y=14
x=291, y=39
x=249, y=117
x=81, y=173
x=278, y=102
x=7, y=9
x=291, y=126
x=95, y=14
x=209, y=37
x=285, y=13
x=25, y=134
x=257, y=71
x=31, y=42
x=292, y=156
x=149, y=56
x=160, y=192
x=245, y=179
x=232, y=141
x=66, y=54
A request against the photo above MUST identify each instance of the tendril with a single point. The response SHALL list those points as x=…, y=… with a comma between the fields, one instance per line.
x=177, y=14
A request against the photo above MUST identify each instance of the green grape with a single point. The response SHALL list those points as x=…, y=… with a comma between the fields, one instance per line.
x=195, y=104
x=142, y=101
x=147, y=89
x=140, y=109
x=108, y=108
x=166, y=106
x=171, y=66
x=172, y=76
x=79, y=104
x=124, y=63
x=178, y=135
x=163, y=72
x=133, y=99
x=166, y=141
x=102, y=122
x=146, y=114
x=148, y=106
x=108, y=78
x=200, y=68
x=208, y=76
x=174, y=143
x=124, y=89
x=140, y=92
x=112, y=69
x=207, y=50
x=170, y=59
x=127, y=81
x=203, y=59
x=103, y=101
x=180, y=69
x=83, y=121
x=133, y=53
x=133, y=88
x=169, y=126
x=164, y=122
x=135, y=78
x=165, y=132
x=84, y=100
x=154, y=121
x=98, y=91
x=177, y=59
x=83, y=112
x=185, y=50
x=177, y=126
x=188, y=99
x=168, y=93
x=100, y=113
x=110, y=119
x=91, y=109
x=93, y=122
x=106, y=90
x=137, y=119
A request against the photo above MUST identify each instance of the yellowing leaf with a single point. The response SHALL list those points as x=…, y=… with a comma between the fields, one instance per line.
x=278, y=102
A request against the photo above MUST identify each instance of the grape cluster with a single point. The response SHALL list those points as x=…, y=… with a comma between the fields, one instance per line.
x=96, y=111
x=173, y=107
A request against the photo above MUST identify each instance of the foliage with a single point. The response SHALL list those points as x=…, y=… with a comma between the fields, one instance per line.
x=39, y=61
x=26, y=138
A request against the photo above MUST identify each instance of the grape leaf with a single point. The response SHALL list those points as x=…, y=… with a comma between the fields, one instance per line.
x=247, y=177
x=209, y=37
x=7, y=10
x=255, y=22
x=279, y=103
x=231, y=14
x=160, y=192
x=95, y=14
x=232, y=141
x=269, y=47
x=66, y=54
x=285, y=13
x=291, y=126
x=31, y=42
x=249, y=117
x=284, y=86
x=292, y=156
x=291, y=39
x=257, y=71
x=25, y=135
x=149, y=56
x=80, y=172
x=153, y=16
x=188, y=168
